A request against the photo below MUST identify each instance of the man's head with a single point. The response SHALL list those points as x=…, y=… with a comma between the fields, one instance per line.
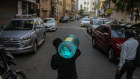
x=56, y=42
x=129, y=33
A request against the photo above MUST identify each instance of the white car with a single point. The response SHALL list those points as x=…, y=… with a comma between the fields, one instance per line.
x=85, y=22
x=95, y=24
x=50, y=24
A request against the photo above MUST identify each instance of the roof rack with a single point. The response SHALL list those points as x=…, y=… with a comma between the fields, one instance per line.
x=25, y=16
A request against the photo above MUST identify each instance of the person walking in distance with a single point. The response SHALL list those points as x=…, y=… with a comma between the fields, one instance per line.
x=66, y=68
x=127, y=56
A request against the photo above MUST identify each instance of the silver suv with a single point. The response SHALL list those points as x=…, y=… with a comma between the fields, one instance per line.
x=23, y=35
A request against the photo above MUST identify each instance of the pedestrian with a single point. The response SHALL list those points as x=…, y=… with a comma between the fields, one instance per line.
x=66, y=68
x=127, y=56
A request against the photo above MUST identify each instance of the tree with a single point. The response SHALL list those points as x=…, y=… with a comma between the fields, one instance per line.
x=81, y=11
x=128, y=5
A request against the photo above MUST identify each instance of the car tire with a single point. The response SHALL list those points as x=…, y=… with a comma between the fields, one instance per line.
x=94, y=43
x=87, y=30
x=111, y=55
x=35, y=48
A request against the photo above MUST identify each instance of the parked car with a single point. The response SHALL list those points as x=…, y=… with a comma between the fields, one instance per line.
x=50, y=24
x=64, y=19
x=93, y=25
x=73, y=18
x=129, y=24
x=106, y=21
x=85, y=22
x=136, y=28
x=92, y=18
x=23, y=35
x=109, y=38
x=77, y=17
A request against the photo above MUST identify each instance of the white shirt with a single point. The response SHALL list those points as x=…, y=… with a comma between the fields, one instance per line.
x=128, y=51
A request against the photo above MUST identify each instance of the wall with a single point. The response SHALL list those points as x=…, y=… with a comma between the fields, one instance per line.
x=8, y=10
x=45, y=8
x=68, y=5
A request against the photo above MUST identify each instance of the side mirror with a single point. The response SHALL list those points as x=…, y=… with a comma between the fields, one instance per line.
x=38, y=27
x=107, y=34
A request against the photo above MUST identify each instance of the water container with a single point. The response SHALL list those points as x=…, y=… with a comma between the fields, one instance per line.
x=68, y=47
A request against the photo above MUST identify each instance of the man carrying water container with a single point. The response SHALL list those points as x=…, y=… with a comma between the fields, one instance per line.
x=65, y=65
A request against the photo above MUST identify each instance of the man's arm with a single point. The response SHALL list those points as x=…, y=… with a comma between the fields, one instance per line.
x=53, y=63
x=122, y=56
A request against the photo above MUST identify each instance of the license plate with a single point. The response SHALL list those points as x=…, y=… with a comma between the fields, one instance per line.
x=10, y=48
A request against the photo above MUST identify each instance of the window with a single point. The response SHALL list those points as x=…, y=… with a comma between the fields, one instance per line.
x=100, y=28
x=103, y=29
x=20, y=25
x=106, y=30
x=118, y=31
x=94, y=3
x=84, y=2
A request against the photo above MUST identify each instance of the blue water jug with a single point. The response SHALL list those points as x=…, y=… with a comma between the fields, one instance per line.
x=68, y=47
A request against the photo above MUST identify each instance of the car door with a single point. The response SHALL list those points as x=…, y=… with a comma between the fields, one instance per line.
x=42, y=28
x=98, y=36
x=105, y=38
x=37, y=31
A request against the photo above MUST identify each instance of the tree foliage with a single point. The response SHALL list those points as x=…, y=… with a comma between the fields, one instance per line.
x=97, y=6
x=127, y=5
x=81, y=11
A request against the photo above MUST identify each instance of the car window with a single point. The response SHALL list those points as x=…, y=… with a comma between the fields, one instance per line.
x=19, y=25
x=49, y=20
x=97, y=22
x=136, y=29
x=100, y=28
x=86, y=19
x=106, y=30
x=118, y=31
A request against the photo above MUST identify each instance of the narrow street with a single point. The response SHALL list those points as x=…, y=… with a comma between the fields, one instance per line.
x=92, y=64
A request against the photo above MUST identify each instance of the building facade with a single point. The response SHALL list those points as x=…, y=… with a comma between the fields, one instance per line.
x=67, y=8
x=45, y=8
x=9, y=9
x=57, y=9
x=76, y=6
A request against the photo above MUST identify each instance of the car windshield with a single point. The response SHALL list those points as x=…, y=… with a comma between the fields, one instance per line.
x=136, y=31
x=19, y=25
x=86, y=20
x=48, y=20
x=96, y=22
x=118, y=31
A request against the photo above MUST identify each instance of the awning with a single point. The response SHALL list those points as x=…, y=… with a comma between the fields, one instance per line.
x=34, y=1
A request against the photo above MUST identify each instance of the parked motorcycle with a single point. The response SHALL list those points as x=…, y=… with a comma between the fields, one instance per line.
x=6, y=59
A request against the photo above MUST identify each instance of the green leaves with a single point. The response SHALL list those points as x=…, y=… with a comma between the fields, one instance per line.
x=126, y=5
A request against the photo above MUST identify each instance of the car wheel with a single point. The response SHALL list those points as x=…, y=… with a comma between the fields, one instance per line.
x=94, y=43
x=35, y=48
x=87, y=30
x=111, y=54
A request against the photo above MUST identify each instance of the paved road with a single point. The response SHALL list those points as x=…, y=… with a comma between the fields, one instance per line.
x=92, y=64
